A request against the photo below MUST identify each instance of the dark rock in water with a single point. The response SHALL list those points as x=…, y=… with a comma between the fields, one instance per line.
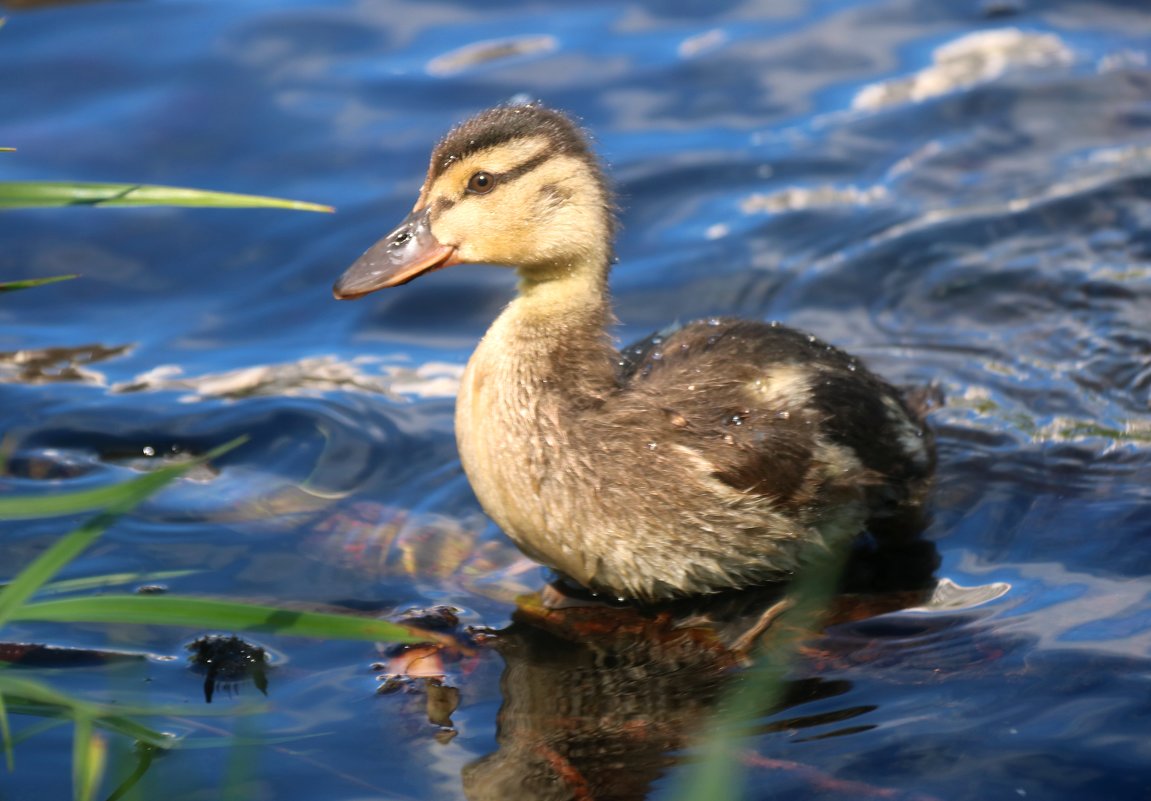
x=228, y=661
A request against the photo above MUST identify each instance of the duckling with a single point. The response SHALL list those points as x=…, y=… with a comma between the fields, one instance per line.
x=705, y=458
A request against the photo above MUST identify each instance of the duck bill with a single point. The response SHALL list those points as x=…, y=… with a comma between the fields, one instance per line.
x=407, y=252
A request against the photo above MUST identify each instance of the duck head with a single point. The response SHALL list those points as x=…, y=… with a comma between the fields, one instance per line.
x=515, y=186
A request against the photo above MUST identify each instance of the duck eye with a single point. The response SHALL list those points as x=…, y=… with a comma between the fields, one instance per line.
x=481, y=183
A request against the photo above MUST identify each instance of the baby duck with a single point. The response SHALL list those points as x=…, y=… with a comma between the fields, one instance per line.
x=703, y=459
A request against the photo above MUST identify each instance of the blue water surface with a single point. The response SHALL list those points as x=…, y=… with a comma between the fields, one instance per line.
x=957, y=191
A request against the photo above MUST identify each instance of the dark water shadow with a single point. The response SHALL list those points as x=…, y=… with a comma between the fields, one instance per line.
x=599, y=701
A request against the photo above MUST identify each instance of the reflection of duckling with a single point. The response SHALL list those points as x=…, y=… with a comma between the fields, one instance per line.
x=599, y=702
x=704, y=458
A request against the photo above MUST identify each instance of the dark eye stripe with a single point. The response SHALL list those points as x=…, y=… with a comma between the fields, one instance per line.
x=442, y=204
x=521, y=169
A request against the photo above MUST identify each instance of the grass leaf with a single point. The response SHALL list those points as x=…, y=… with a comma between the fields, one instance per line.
x=718, y=772
x=207, y=613
x=89, y=758
x=34, y=194
x=48, y=564
x=6, y=736
x=123, y=498
x=120, y=497
x=29, y=697
x=87, y=583
x=12, y=286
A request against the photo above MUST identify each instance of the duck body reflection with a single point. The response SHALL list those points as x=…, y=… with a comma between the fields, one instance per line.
x=599, y=700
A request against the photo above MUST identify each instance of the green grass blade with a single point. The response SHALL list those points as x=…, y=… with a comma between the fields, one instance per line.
x=49, y=563
x=81, y=736
x=206, y=613
x=126, y=494
x=12, y=286
x=6, y=736
x=36, y=194
x=56, y=715
x=144, y=757
x=27, y=691
x=718, y=772
x=28, y=697
x=88, y=583
x=55, y=721
x=128, y=727
x=89, y=755
x=58, y=504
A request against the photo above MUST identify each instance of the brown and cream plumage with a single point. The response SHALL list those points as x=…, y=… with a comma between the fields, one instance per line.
x=702, y=459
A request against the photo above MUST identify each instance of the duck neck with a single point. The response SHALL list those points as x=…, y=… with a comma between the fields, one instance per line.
x=553, y=336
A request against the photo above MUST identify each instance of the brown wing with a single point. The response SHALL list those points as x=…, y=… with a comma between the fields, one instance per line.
x=779, y=413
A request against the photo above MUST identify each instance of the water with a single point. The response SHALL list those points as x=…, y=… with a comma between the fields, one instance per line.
x=956, y=192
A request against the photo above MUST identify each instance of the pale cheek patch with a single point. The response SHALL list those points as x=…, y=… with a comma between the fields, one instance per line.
x=547, y=211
